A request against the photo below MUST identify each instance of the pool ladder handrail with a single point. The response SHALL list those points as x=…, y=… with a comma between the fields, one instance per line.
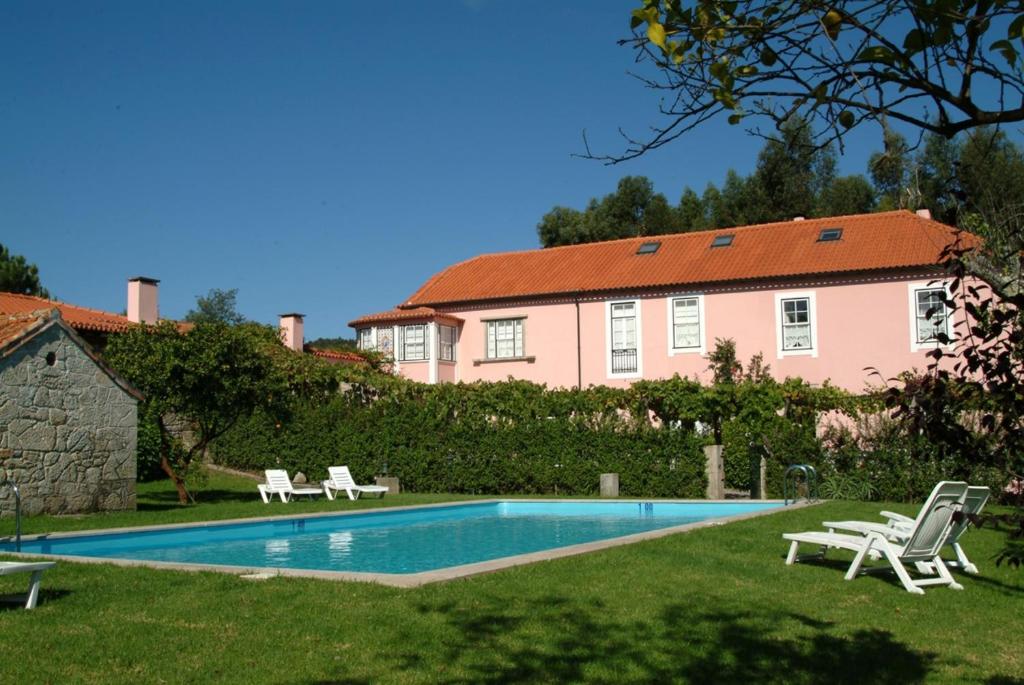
x=810, y=478
x=17, y=511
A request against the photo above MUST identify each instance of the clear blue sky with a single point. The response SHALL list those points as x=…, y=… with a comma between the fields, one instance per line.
x=321, y=157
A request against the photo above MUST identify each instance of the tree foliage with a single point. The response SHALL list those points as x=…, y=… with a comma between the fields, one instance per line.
x=219, y=306
x=633, y=210
x=943, y=67
x=210, y=377
x=18, y=276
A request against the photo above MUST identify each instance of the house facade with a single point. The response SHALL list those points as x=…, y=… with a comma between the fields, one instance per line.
x=822, y=299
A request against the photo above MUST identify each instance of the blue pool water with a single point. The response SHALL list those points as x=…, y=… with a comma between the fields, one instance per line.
x=406, y=541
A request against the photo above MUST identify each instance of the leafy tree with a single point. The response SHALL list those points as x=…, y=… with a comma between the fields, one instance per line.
x=633, y=210
x=846, y=195
x=944, y=67
x=219, y=306
x=691, y=211
x=343, y=344
x=789, y=170
x=18, y=276
x=890, y=170
x=561, y=226
x=210, y=376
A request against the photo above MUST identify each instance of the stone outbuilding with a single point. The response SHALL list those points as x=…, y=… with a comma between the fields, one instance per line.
x=67, y=421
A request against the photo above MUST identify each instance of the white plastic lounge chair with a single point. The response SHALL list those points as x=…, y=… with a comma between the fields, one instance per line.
x=341, y=479
x=36, y=568
x=922, y=544
x=899, y=526
x=278, y=483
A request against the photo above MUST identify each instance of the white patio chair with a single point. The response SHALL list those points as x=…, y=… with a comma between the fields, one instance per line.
x=899, y=526
x=922, y=544
x=341, y=479
x=278, y=483
x=36, y=568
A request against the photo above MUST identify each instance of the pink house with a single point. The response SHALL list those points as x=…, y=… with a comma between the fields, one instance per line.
x=821, y=299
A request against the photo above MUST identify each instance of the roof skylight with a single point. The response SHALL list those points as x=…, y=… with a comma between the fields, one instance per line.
x=723, y=240
x=648, y=248
x=830, y=234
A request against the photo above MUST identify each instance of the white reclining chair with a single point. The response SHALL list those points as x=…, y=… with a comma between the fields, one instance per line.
x=341, y=479
x=922, y=543
x=278, y=483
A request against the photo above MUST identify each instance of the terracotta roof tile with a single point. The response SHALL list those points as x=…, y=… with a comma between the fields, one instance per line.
x=869, y=242
x=335, y=355
x=14, y=326
x=79, y=318
x=405, y=314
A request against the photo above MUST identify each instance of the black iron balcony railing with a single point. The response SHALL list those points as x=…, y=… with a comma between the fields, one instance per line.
x=624, y=361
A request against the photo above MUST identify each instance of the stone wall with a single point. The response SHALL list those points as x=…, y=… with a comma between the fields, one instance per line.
x=67, y=430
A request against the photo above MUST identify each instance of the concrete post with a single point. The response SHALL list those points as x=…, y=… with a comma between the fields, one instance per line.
x=763, y=480
x=715, y=471
x=390, y=482
x=609, y=485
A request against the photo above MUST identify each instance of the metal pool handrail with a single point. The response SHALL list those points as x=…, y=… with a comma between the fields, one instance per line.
x=17, y=512
x=810, y=477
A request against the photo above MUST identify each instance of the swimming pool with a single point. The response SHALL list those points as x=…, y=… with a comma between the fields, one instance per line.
x=404, y=545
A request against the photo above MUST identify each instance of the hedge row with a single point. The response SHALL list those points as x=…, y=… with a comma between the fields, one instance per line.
x=519, y=438
x=434, y=445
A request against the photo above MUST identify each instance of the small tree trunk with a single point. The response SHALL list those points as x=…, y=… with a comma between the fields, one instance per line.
x=179, y=483
x=165, y=462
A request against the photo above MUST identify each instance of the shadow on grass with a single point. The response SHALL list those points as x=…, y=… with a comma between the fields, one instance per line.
x=162, y=501
x=16, y=601
x=556, y=640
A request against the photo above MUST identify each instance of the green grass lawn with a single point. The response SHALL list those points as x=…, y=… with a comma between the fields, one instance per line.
x=712, y=605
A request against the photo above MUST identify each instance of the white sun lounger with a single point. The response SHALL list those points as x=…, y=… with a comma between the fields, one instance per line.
x=278, y=483
x=341, y=479
x=922, y=544
x=36, y=568
x=898, y=528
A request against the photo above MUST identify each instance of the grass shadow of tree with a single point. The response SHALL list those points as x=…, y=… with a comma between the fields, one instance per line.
x=162, y=501
x=557, y=640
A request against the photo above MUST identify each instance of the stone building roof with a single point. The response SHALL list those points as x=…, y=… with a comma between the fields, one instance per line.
x=16, y=330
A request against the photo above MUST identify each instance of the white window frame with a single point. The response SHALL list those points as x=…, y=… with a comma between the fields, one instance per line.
x=372, y=335
x=912, y=290
x=608, y=339
x=812, y=313
x=441, y=342
x=492, y=325
x=403, y=329
x=670, y=309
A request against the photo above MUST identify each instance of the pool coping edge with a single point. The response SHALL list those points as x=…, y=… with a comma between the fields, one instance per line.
x=405, y=580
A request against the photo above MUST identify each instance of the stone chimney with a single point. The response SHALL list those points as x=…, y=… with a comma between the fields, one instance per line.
x=142, y=300
x=924, y=213
x=291, y=331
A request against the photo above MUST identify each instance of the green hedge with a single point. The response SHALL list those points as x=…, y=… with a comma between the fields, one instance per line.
x=502, y=438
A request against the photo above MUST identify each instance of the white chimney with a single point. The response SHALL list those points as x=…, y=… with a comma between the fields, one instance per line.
x=924, y=213
x=142, y=300
x=798, y=218
x=291, y=331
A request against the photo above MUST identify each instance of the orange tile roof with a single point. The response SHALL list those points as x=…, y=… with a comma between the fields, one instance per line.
x=404, y=314
x=79, y=318
x=15, y=326
x=335, y=355
x=870, y=242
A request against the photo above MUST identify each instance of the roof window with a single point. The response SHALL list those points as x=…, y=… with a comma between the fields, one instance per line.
x=723, y=240
x=648, y=248
x=830, y=234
